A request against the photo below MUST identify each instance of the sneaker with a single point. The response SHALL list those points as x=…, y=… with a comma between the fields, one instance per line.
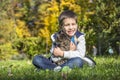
x=57, y=69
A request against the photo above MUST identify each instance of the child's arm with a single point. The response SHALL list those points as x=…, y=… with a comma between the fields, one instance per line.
x=58, y=52
x=80, y=50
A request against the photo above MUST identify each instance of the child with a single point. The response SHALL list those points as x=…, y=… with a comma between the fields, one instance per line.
x=74, y=56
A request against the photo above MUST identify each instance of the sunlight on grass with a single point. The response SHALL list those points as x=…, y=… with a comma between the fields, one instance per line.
x=107, y=68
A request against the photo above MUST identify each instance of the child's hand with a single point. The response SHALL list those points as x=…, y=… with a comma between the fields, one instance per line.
x=72, y=46
x=58, y=52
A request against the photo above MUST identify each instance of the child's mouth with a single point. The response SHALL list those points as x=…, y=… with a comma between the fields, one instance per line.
x=71, y=32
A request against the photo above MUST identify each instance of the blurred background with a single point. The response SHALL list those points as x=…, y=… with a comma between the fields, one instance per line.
x=26, y=26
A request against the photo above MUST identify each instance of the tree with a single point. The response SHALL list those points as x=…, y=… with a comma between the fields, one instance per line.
x=105, y=23
x=7, y=29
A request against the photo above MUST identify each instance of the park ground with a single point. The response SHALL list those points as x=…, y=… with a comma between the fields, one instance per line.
x=107, y=68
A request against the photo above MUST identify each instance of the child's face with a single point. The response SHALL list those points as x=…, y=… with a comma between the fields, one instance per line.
x=70, y=26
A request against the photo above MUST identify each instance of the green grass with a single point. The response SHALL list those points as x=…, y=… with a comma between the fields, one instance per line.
x=107, y=68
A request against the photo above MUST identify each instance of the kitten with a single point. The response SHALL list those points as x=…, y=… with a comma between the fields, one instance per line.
x=62, y=41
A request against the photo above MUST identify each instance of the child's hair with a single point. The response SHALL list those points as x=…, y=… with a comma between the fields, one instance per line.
x=66, y=14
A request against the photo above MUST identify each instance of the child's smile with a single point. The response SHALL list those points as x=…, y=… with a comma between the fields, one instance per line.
x=70, y=26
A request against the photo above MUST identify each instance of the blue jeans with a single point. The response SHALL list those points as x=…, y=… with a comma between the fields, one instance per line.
x=43, y=63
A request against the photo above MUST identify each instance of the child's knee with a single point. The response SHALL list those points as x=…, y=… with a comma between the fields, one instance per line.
x=36, y=59
x=78, y=61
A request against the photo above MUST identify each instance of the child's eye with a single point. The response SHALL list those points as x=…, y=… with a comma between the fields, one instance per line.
x=66, y=24
x=73, y=24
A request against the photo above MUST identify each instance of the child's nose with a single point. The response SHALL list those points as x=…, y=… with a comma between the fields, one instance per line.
x=70, y=26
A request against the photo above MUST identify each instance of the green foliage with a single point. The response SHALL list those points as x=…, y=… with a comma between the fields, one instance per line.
x=7, y=31
x=6, y=51
x=7, y=24
x=98, y=19
x=105, y=25
x=30, y=46
x=107, y=68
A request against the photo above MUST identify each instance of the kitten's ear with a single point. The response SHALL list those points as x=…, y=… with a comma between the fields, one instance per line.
x=61, y=31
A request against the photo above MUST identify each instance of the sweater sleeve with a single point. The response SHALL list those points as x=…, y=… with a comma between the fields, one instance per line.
x=80, y=51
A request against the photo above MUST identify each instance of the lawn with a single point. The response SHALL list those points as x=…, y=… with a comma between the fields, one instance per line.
x=107, y=68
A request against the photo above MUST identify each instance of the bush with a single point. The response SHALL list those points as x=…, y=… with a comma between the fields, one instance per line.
x=30, y=46
x=6, y=51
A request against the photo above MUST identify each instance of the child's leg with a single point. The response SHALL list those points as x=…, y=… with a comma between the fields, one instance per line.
x=43, y=63
x=73, y=62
